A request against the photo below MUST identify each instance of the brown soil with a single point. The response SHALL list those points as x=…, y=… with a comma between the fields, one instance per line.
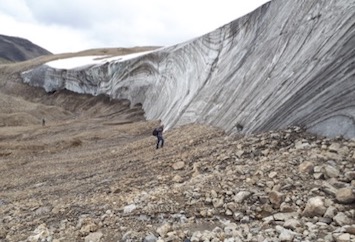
x=92, y=153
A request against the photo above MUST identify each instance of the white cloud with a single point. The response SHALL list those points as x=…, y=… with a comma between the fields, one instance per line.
x=17, y=9
x=74, y=25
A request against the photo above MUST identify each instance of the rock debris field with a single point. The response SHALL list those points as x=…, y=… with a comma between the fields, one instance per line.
x=93, y=180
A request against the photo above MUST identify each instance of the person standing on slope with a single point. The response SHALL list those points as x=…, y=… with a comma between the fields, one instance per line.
x=159, y=133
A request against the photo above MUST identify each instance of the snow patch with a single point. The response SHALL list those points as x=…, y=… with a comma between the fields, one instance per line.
x=74, y=62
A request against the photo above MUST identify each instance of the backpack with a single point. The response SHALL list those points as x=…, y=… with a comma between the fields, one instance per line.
x=155, y=132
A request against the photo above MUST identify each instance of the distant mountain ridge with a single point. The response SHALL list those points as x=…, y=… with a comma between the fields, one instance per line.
x=18, y=49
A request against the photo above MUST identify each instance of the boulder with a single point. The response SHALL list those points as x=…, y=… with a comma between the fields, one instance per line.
x=346, y=195
x=314, y=207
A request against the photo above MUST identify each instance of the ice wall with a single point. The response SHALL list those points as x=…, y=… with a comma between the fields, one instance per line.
x=287, y=63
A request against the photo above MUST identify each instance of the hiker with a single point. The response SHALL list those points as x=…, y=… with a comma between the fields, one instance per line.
x=43, y=122
x=159, y=133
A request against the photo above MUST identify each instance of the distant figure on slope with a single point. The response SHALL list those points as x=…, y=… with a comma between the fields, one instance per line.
x=43, y=122
x=159, y=133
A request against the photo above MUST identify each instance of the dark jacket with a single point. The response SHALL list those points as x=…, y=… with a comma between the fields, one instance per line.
x=160, y=131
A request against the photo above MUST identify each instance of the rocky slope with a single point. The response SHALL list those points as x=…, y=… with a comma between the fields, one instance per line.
x=15, y=49
x=99, y=179
x=287, y=63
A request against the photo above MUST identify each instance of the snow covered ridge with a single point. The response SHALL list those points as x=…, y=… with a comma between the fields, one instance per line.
x=287, y=63
x=70, y=63
x=80, y=61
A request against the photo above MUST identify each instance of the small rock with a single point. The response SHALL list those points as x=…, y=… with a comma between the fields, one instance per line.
x=230, y=229
x=241, y=196
x=237, y=216
x=328, y=238
x=178, y=179
x=325, y=220
x=314, y=207
x=228, y=212
x=334, y=147
x=317, y=169
x=270, y=184
x=42, y=210
x=330, y=171
x=341, y=219
x=268, y=220
x=342, y=238
x=287, y=208
x=330, y=212
x=172, y=237
x=217, y=203
x=350, y=175
x=344, y=151
x=292, y=224
x=203, y=213
x=328, y=189
x=150, y=238
x=337, y=184
x=87, y=228
x=93, y=237
x=284, y=216
x=41, y=233
x=196, y=236
x=306, y=167
x=214, y=194
x=179, y=165
x=265, y=152
x=345, y=195
x=127, y=236
x=245, y=220
x=272, y=174
x=239, y=153
x=286, y=235
x=276, y=198
x=267, y=210
x=2, y=233
x=227, y=240
x=300, y=145
x=164, y=229
x=333, y=155
x=350, y=229
x=129, y=208
x=318, y=176
x=263, y=199
x=231, y=206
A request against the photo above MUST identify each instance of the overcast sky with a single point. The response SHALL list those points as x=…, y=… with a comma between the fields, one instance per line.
x=72, y=25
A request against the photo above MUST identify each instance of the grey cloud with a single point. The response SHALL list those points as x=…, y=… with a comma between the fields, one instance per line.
x=77, y=24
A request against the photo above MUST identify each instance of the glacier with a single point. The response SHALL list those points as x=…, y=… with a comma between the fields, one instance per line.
x=286, y=63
